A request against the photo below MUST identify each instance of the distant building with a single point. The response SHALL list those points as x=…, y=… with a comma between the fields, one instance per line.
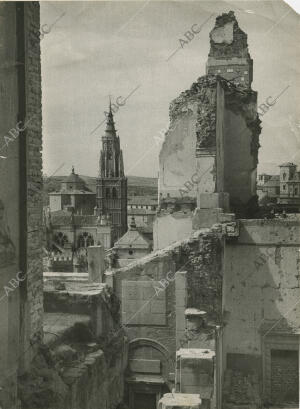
x=143, y=209
x=142, y=202
x=69, y=235
x=289, y=198
x=112, y=183
x=133, y=245
x=270, y=188
x=263, y=178
x=74, y=195
x=283, y=189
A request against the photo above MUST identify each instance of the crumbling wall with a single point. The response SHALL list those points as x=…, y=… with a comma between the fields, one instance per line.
x=234, y=45
x=200, y=256
x=34, y=170
x=204, y=279
x=75, y=376
x=82, y=362
x=192, y=127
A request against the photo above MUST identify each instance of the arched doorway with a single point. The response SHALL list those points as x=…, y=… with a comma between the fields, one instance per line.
x=150, y=373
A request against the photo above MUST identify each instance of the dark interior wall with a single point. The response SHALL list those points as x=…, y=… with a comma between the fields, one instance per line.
x=9, y=207
x=241, y=131
x=31, y=176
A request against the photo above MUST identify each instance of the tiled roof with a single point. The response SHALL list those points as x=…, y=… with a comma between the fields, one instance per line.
x=63, y=217
x=84, y=220
x=143, y=200
x=134, y=239
x=72, y=192
x=274, y=181
x=140, y=211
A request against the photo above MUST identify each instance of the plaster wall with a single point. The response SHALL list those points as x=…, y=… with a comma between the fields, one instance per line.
x=177, y=162
x=138, y=322
x=169, y=228
x=55, y=203
x=261, y=285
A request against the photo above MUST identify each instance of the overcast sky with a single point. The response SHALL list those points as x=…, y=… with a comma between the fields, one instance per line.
x=94, y=49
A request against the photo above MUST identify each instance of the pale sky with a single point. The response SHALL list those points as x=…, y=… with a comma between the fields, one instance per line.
x=94, y=49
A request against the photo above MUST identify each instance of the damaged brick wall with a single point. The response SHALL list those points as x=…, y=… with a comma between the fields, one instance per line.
x=229, y=56
x=238, y=47
x=83, y=358
x=34, y=271
x=202, y=96
x=76, y=374
x=204, y=278
x=201, y=257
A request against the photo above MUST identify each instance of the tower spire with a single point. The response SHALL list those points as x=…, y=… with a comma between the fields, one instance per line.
x=110, y=130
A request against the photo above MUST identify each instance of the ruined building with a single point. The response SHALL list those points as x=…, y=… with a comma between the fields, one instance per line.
x=229, y=56
x=211, y=147
x=112, y=183
x=211, y=319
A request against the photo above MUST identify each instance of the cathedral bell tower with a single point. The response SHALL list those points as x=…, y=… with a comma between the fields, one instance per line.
x=112, y=183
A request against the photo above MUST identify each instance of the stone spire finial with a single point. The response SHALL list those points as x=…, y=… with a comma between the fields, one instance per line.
x=110, y=124
x=73, y=170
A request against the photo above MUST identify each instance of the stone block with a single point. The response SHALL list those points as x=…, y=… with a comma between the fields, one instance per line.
x=145, y=365
x=96, y=264
x=180, y=401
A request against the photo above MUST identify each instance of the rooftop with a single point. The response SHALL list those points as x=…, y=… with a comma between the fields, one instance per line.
x=287, y=164
x=143, y=200
x=274, y=181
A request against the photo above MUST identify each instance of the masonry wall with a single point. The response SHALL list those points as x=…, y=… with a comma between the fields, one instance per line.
x=82, y=362
x=261, y=295
x=152, y=297
x=9, y=212
x=33, y=151
x=148, y=309
x=20, y=193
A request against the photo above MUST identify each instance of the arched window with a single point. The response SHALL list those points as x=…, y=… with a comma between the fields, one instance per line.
x=85, y=240
x=114, y=193
x=107, y=192
x=60, y=239
x=284, y=176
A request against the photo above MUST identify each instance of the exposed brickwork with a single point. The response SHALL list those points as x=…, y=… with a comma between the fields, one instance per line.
x=238, y=47
x=284, y=376
x=241, y=389
x=204, y=258
x=34, y=169
x=202, y=94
